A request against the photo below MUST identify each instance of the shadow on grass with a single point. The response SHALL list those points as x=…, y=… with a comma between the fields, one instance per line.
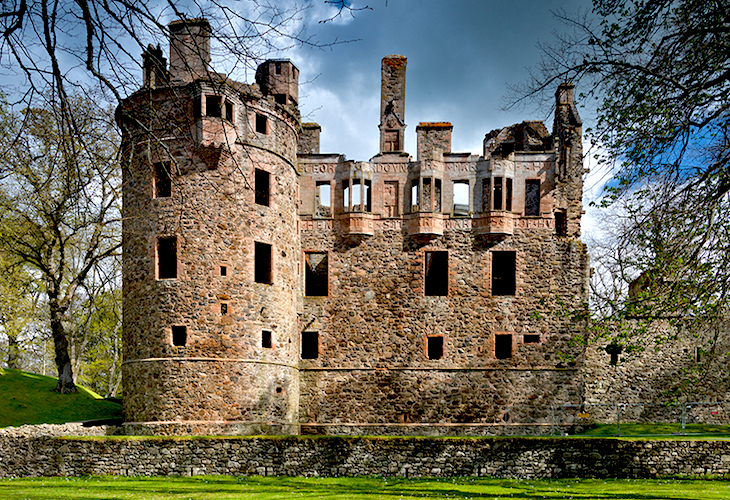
x=225, y=487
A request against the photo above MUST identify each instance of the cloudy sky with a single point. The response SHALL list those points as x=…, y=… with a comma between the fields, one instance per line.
x=461, y=56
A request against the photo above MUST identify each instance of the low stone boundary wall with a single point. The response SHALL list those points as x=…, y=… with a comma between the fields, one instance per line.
x=355, y=456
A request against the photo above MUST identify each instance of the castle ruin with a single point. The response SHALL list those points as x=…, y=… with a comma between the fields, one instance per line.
x=272, y=288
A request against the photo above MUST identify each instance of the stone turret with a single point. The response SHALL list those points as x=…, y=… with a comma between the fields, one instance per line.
x=189, y=49
x=392, y=104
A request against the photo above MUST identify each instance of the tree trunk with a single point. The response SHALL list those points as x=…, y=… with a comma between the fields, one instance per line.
x=60, y=344
x=13, y=360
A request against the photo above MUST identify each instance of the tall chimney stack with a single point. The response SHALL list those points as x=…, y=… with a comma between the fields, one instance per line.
x=189, y=49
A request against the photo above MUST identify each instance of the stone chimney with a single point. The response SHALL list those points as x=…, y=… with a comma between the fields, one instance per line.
x=434, y=138
x=189, y=49
x=309, y=139
x=154, y=67
x=392, y=104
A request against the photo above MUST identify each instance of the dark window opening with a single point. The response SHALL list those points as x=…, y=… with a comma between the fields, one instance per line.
x=315, y=274
x=508, y=195
x=310, y=345
x=323, y=202
x=229, y=111
x=461, y=198
x=435, y=347
x=167, y=258
x=262, y=262
x=497, y=193
x=614, y=350
x=224, y=308
x=277, y=68
x=261, y=187
x=224, y=271
x=261, y=125
x=179, y=335
x=437, y=195
x=485, y=195
x=163, y=182
x=213, y=106
x=532, y=197
x=280, y=98
x=503, y=346
x=561, y=223
x=266, y=339
x=436, y=273
x=503, y=273
x=531, y=339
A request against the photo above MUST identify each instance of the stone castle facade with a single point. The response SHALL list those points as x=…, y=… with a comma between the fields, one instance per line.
x=271, y=288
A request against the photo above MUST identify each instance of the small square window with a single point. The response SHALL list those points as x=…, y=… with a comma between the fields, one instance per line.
x=266, y=339
x=224, y=308
x=531, y=339
x=435, y=347
x=224, y=271
x=310, y=345
x=179, y=335
x=280, y=98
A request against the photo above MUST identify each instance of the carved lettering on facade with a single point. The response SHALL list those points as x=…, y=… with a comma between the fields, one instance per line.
x=459, y=224
x=388, y=224
x=316, y=225
x=461, y=167
x=321, y=168
x=394, y=168
x=537, y=223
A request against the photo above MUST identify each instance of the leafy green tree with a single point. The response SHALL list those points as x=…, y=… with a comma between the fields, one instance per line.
x=18, y=298
x=60, y=205
x=657, y=73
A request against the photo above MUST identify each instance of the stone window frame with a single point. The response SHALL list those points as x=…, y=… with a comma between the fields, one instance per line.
x=267, y=335
x=301, y=344
x=162, y=191
x=528, y=182
x=260, y=120
x=448, y=271
x=531, y=338
x=176, y=254
x=173, y=335
x=272, y=263
x=468, y=184
x=223, y=270
x=262, y=195
x=304, y=274
x=516, y=273
x=427, y=342
x=226, y=107
x=318, y=198
x=513, y=347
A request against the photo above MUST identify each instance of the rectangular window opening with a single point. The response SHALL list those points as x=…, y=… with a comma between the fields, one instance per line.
x=316, y=278
x=262, y=263
x=435, y=347
x=310, y=345
x=503, y=273
x=530, y=338
x=179, y=335
x=163, y=180
x=167, y=257
x=497, y=193
x=261, y=124
x=229, y=111
x=224, y=308
x=266, y=339
x=262, y=181
x=414, y=195
x=561, y=223
x=485, y=195
x=224, y=271
x=532, y=197
x=277, y=68
x=508, y=195
x=280, y=98
x=426, y=197
x=213, y=106
x=437, y=195
x=461, y=198
x=503, y=346
x=436, y=273
x=323, y=199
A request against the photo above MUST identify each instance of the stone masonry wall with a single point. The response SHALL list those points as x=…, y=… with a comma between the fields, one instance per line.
x=338, y=456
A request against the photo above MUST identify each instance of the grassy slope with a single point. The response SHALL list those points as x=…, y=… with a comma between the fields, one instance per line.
x=260, y=488
x=27, y=398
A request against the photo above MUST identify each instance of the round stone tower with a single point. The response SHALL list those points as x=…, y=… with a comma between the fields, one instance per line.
x=211, y=245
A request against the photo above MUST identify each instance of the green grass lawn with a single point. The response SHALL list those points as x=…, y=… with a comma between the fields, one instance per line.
x=27, y=398
x=224, y=487
x=653, y=429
